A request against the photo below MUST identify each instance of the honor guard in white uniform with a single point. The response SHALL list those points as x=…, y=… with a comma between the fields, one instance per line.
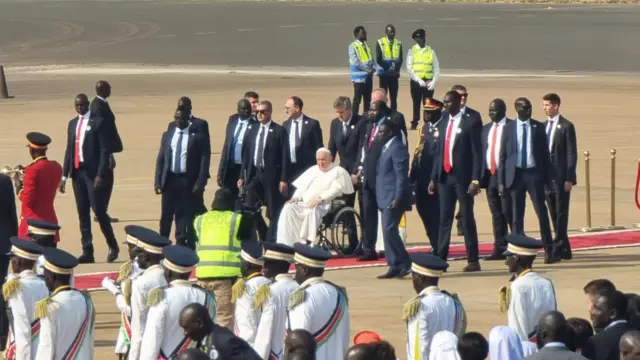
x=269, y=343
x=67, y=316
x=528, y=294
x=248, y=294
x=163, y=337
x=21, y=292
x=150, y=247
x=318, y=306
x=432, y=310
x=121, y=287
x=42, y=233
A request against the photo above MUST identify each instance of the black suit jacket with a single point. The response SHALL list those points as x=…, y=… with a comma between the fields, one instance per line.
x=310, y=142
x=102, y=110
x=276, y=155
x=473, y=114
x=605, y=345
x=95, y=149
x=509, y=153
x=564, y=151
x=467, y=151
x=394, y=116
x=486, y=173
x=198, y=156
x=424, y=156
x=227, y=147
x=347, y=146
x=231, y=347
x=8, y=213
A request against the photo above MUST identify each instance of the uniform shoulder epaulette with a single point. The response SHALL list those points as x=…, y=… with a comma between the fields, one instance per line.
x=262, y=294
x=342, y=289
x=44, y=307
x=10, y=288
x=124, y=272
x=237, y=290
x=504, y=295
x=411, y=308
x=296, y=298
x=155, y=295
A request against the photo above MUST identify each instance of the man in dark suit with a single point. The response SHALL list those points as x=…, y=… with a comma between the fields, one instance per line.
x=254, y=99
x=100, y=107
x=456, y=176
x=428, y=205
x=265, y=167
x=8, y=228
x=608, y=313
x=394, y=196
x=499, y=204
x=525, y=167
x=86, y=162
x=552, y=334
x=231, y=157
x=346, y=133
x=396, y=117
x=561, y=135
x=470, y=113
x=305, y=138
x=182, y=170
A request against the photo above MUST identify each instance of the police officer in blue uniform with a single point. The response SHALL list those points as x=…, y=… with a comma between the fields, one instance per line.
x=427, y=205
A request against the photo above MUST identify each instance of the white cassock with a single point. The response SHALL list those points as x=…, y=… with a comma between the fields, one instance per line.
x=433, y=311
x=269, y=343
x=163, y=336
x=67, y=331
x=24, y=327
x=246, y=316
x=297, y=222
x=151, y=278
x=321, y=308
x=530, y=296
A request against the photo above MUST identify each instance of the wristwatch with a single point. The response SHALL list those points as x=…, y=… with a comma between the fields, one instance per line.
x=475, y=182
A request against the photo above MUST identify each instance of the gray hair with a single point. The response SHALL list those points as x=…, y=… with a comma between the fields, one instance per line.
x=342, y=102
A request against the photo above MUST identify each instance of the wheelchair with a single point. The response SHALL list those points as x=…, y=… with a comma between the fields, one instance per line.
x=339, y=226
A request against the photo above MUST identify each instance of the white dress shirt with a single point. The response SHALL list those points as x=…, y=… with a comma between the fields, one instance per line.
x=409, y=62
x=260, y=162
x=101, y=98
x=454, y=132
x=499, y=127
x=239, y=131
x=183, y=152
x=297, y=124
x=552, y=125
x=84, y=127
x=531, y=163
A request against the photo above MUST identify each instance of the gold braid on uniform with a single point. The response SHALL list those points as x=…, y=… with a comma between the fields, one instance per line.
x=124, y=272
x=263, y=293
x=411, y=308
x=237, y=290
x=126, y=291
x=44, y=307
x=504, y=295
x=155, y=295
x=11, y=287
x=296, y=298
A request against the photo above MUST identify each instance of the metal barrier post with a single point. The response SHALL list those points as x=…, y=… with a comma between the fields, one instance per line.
x=612, y=194
x=587, y=192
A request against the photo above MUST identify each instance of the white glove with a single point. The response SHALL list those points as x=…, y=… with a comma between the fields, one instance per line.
x=422, y=83
x=109, y=285
x=431, y=85
x=122, y=305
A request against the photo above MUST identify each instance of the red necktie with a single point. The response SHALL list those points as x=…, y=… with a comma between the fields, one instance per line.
x=76, y=157
x=373, y=133
x=447, y=144
x=493, y=149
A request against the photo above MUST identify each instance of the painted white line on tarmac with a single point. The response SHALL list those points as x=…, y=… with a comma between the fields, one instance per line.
x=487, y=17
x=249, y=29
x=206, y=33
x=450, y=19
x=291, y=26
x=330, y=24
x=411, y=21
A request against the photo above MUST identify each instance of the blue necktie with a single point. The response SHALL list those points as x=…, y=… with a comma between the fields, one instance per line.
x=259, y=160
x=523, y=150
x=549, y=130
x=235, y=140
x=177, y=162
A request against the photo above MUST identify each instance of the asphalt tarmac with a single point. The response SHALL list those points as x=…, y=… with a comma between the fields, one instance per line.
x=519, y=37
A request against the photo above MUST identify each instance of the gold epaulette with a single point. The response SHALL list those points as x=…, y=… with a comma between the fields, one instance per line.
x=11, y=287
x=296, y=298
x=124, y=272
x=411, y=308
x=126, y=290
x=44, y=307
x=504, y=296
x=262, y=295
x=155, y=296
x=237, y=290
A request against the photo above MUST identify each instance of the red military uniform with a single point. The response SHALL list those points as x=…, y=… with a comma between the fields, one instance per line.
x=41, y=180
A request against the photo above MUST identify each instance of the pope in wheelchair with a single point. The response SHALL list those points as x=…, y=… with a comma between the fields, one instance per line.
x=315, y=189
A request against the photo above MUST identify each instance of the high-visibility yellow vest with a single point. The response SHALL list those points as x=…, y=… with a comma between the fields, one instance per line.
x=422, y=62
x=389, y=52
x=218, y=245
x=364, y=55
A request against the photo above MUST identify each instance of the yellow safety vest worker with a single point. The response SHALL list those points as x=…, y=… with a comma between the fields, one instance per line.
x=218, y=245
x=390, y=52
x=364, y=56
x=422, y=62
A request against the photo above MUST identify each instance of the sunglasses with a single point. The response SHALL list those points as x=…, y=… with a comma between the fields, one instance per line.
x=464, y=95
x=262, y=112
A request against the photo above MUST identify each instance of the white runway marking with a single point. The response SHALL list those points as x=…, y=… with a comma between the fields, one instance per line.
x=206, y=33
x=487, y=17
x=411, y=21
x=373, y=22
x=166, y=36
x=291, y=26
x=450, y=19
x=250, y=29
x=330, y=24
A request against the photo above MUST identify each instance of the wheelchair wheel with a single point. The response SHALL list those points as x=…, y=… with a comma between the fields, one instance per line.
x=346, y=225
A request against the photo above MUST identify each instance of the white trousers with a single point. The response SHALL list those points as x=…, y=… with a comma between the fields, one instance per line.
x=297, y=223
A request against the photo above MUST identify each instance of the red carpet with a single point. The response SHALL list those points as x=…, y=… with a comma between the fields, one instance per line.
x=582, y=242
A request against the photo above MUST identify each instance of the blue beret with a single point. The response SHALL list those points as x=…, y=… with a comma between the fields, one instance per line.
x=59, y=261
x=180, y=259
x=312, y=256
x=25, y=249
x=522, y=245
x=41, y=227
x=281, y=252
x=428, y=264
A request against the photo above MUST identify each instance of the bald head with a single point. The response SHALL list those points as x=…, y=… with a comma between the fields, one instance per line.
x=195, y=320
x=630, y=345
x=300, y=339
x=359, y=352
x=552, y=327
x=379, y=95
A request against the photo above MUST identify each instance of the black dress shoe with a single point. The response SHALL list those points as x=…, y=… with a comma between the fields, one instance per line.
x=403, y=274
x=389, y=274
x=472, y=267
x=495, y=256
x=368, y=257
x=86, y=259
x=551, y=259
x=565, y=253
x=113, y=255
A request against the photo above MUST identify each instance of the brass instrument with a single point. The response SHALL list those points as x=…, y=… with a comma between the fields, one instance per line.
x=16, y=174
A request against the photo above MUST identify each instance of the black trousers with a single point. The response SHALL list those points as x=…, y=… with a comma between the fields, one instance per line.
x=263, y=191
x=528, y=181
x=500, y=207
x=390, y=85
x=179, y=202
x=362, y=92
x=450, y=191
x=428, y=207
x=108, y=181
x=418, y=96
x=558, y=204
x=87, y=199
x=369, y=215
x=4, y=319
x=231, y=179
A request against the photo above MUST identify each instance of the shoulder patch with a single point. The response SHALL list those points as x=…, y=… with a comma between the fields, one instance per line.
x=155, y=296
x=262, y=294
x=125, y=271
x=44, y=307
x=296, y=298
x=504, y=296
x=10, y=288
x=411, y=308
x=238, y=290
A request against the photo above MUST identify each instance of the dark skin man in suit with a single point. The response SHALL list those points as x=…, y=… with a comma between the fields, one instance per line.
x=231, y=157
x=608, y=313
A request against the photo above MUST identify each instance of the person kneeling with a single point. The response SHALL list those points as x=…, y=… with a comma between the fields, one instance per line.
x=315, y=189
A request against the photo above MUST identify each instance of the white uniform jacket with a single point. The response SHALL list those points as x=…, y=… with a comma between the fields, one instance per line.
x=247, y=316
x=151, y=278
x=530, y=296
